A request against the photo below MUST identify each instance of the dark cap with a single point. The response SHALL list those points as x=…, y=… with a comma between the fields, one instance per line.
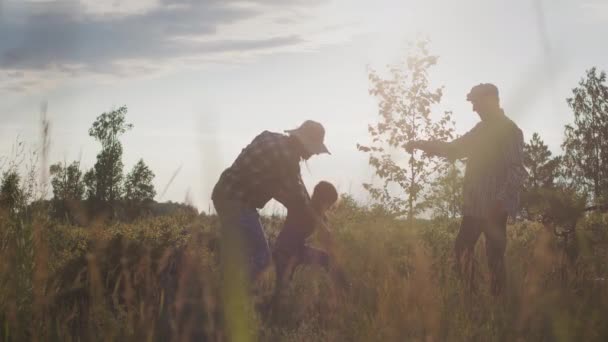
x=482, y=90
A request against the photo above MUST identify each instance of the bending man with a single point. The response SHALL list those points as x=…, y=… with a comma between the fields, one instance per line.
x=269, y=167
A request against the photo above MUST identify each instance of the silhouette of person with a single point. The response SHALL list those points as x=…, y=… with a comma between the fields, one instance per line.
x=493, y=178
x=268, y=168
x=291, y=250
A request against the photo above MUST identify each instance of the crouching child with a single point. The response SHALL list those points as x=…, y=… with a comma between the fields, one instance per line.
x=291, y=249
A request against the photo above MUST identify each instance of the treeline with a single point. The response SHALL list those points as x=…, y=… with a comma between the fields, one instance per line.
x=101, y=192
x=560, y=188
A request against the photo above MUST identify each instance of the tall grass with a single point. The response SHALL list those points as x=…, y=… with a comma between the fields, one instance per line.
x=158, y=279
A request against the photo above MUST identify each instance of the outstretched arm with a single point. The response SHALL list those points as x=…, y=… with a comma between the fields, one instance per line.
x=435, y=148
x=455, y=149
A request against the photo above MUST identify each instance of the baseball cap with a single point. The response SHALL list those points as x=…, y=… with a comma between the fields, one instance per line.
x=481, y=90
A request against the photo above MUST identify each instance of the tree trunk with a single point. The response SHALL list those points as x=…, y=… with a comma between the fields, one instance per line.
x=410, y=213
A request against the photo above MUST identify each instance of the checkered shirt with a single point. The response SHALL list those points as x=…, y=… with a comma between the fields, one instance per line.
x=269, y=167
x=495, y=171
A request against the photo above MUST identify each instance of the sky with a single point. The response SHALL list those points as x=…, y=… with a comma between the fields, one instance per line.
x=202, y=78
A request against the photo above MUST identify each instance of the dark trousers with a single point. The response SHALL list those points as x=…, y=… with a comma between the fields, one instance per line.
x=494, y=229
x=287, y=262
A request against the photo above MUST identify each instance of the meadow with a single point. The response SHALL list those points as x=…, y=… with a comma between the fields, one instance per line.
x=157, y=278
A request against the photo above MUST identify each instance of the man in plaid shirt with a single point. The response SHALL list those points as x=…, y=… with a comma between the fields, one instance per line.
x=492, y=181
x=269, y=167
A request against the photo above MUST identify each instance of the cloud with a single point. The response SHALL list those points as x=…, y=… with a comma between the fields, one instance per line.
x=70, y=37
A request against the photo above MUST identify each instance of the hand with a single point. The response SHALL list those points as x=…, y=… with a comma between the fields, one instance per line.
x=411, y=145
x=327, y=240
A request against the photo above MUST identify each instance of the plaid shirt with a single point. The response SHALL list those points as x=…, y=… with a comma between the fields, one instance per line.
x=269, y=167
x=495, y=171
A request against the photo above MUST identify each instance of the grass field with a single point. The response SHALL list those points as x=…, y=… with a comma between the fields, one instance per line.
x=158, y=278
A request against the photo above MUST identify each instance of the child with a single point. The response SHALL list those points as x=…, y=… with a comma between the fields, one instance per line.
x=291, y=249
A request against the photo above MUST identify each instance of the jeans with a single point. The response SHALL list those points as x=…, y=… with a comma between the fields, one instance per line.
x=243, y=244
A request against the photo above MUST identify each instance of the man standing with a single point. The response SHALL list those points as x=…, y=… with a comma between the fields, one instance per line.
x=493, y=179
